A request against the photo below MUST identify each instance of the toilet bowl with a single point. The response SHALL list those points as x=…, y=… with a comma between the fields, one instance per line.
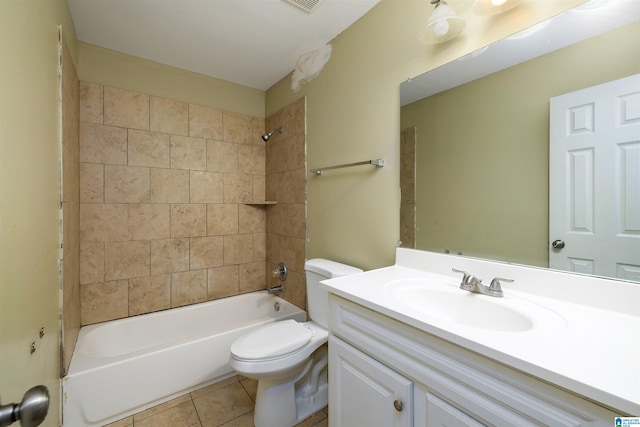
x=288, y=358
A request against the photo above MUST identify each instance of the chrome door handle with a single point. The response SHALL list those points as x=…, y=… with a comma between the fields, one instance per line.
x=31, y=411
x=557, y=244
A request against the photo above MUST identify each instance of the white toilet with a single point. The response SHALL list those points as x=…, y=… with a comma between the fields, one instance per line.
x=289, y=358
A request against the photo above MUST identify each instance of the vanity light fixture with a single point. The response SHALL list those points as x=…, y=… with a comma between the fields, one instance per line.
x=443, y=24
x=493, y=7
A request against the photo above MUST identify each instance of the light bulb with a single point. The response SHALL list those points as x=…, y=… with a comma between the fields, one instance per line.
x=441, y=28
x=498, y=2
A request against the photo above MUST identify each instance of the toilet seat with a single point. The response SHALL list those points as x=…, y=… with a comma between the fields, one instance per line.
x=273, y=341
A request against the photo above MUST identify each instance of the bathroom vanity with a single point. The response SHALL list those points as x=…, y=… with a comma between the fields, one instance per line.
x=409, y=347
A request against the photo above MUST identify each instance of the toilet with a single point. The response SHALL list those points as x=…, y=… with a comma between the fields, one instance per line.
x=288, y=358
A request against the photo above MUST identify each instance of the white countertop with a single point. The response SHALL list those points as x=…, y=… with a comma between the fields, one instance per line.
x=595, y=352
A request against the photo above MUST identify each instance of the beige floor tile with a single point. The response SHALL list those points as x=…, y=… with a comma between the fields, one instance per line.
x=315, y=420
x=214, y=387
x=183, y=415
x=250, y=386
x=125, y=422
x=161, y=408
x=245, y=420
x=223, y=405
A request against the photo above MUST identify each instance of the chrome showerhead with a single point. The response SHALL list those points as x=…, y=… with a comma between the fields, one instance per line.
x=266, y=136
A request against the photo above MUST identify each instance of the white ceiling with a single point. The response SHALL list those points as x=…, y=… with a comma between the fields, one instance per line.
x=250, y=42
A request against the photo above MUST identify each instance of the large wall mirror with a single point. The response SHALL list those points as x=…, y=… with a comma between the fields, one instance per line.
x=475, y=141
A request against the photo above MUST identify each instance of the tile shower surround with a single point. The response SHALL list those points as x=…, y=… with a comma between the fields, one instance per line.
x=163, y=219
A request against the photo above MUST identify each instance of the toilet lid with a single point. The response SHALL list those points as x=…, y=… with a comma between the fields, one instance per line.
x=274, y=340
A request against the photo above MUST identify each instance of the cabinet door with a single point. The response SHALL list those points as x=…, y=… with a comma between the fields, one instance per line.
x=441, y=413
x=364, y=392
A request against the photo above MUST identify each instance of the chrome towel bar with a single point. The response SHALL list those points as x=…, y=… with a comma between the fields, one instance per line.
x=376, y=162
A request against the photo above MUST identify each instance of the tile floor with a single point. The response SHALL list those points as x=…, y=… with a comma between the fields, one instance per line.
x=228, y=403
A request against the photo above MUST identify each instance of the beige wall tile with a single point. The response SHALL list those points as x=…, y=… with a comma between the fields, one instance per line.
x=206, y=252
x=287, y=220
x=126, y=184
x=295, y=290
x=206, y=187
x=293, y=252
x=148, y=149
x=222, y=219
x=205, y=122
x=188, y=153
x=238, y=249
x=300, y=108
x=149, y=221
x=103, y=144
x=292, y=186
x=126, y=109
x=169, y=255
x=70, y=227
x=257, y=130
x=222, y=156
x=273, y=248
x=188, y=220
x=238, y=188
x=70, y=165
x=272, y=186
x=188, y=287
x=91, y=183
x=259, y=189
x=169, y=116
x=124, y=260
x=151, y=293
x=253, y=277
x=101, y=223
x=237, y=127
x=91, y=100
x=294, y=149
x=103, y=301
x=296, y=216
x=222, y=282
x=169, y=186
x=260, y=246
x=91, y=262
x=252, y=219
x=251, y=159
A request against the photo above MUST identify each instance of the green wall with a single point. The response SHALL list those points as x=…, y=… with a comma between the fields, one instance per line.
x=29, y=196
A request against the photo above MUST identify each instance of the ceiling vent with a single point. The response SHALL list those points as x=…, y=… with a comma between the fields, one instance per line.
x=307, y=5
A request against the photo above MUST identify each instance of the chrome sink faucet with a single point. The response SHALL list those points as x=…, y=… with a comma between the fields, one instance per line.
x=473, y=284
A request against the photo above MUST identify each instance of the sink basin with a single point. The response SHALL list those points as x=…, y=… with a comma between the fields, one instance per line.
x=451, y=304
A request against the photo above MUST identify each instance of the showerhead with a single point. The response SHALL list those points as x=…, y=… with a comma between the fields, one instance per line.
x=266, y=136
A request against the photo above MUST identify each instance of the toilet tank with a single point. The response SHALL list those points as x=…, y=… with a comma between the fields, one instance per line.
x=318, y=269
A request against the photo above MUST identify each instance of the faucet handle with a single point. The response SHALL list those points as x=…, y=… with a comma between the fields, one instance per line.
x=495, y=289
x=466, y=276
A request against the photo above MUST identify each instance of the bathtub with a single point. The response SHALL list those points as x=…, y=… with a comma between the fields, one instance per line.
x=124, y=366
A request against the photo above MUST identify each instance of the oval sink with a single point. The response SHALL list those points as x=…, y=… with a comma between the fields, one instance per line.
x=460, y=307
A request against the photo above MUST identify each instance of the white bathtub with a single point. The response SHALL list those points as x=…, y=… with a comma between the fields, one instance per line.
x=124, y=366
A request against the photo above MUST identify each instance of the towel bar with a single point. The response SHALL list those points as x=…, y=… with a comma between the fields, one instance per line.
x=376, y=162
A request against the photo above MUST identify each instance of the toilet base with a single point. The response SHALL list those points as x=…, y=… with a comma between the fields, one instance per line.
x=284, y=404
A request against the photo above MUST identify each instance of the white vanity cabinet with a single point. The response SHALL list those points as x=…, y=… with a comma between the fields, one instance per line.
x=386, y=373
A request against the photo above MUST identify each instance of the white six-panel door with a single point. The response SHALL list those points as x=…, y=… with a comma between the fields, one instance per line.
x=594, y=180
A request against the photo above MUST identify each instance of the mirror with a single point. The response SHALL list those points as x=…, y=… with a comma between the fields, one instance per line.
x=478, y=129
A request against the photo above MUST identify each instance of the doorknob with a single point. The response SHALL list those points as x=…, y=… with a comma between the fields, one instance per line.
x=557, y=244
x=31, y=411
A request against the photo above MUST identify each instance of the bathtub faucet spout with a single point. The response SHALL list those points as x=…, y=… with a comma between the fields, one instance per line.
x=275, y=290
